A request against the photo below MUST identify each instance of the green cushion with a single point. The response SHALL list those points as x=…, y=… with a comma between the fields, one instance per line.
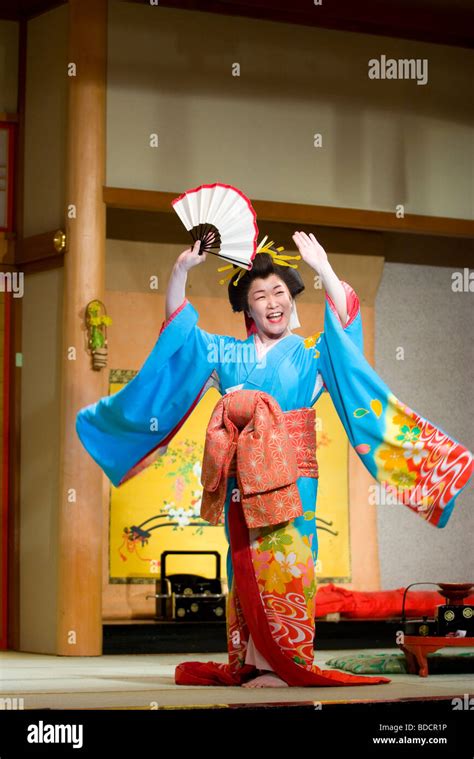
x=392, y=664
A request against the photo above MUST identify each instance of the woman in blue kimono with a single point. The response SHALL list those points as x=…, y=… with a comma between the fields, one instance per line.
x=259, y=466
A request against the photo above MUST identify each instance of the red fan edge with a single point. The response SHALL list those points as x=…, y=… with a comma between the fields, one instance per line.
x=239, y=192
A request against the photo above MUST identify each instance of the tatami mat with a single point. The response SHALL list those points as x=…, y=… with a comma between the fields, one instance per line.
x=147, y=681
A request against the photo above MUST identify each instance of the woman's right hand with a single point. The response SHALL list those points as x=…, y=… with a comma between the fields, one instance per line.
x=191, y=257
x=176, y=290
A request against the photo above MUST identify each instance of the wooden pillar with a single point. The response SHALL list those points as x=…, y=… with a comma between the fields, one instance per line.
x=79, y=621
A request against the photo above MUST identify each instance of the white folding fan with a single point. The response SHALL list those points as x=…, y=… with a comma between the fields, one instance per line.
x=223, y=219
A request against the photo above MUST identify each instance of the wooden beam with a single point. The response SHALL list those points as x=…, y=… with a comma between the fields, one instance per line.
x=139, y=200
x=80, y=545
x=27, y=9
x=36, y=248
x=441, y=22
x=301, y=213
x=438, y=21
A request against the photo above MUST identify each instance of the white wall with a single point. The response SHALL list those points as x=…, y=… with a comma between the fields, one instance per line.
x=417, y=310
x=385, y=142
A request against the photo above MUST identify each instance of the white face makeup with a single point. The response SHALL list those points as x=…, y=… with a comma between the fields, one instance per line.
x=270, y=304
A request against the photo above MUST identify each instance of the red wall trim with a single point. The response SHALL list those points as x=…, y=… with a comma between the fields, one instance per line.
x=11, y=129
x=5, y=473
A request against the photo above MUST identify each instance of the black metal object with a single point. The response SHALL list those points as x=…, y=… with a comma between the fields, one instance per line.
x=190, y=597
x=448, y=618
x=422, y=627
x=457, y=617
x=405, y=596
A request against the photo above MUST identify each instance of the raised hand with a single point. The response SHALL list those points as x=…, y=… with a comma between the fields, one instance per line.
x=191, y=257
x=315, y=256
x=311, y=251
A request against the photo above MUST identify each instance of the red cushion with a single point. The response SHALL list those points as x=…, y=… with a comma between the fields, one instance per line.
x=332, y=598
x=380, y=604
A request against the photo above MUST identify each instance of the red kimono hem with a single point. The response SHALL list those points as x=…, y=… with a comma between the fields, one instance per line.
x=211, y=673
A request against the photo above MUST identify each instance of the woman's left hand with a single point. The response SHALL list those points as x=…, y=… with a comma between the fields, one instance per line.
x=311, y=251
x=315, y=256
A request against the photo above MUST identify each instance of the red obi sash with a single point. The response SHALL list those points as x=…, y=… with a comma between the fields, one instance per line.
x=250, y=437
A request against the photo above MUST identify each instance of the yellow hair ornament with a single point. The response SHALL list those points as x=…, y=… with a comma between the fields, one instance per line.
x=263, y=247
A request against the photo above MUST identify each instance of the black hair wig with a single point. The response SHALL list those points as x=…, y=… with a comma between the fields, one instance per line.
x=263, y=267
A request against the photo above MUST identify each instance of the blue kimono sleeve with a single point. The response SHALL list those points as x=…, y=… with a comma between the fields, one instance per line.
x=417, y=463
x=352, y=329
x=121, y=431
